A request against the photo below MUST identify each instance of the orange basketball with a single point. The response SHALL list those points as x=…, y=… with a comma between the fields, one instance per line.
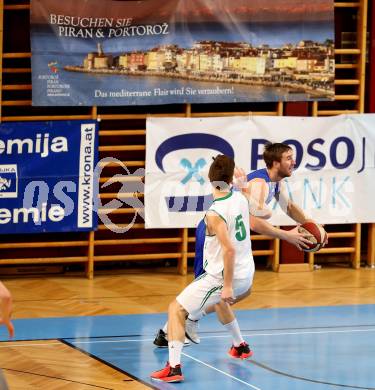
x=316, y=234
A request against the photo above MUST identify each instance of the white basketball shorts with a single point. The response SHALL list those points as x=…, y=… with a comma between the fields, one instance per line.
x=206, y=291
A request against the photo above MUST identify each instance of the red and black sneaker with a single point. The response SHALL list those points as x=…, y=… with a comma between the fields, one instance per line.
x=241, y=352
x=168, y=374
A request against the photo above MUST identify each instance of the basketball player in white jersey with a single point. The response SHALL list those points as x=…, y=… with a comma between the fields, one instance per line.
x=228, y=263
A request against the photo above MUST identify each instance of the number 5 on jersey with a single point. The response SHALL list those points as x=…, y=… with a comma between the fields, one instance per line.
x=240, y=229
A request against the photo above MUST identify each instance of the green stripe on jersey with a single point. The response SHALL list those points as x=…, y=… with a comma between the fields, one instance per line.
x=224, y=197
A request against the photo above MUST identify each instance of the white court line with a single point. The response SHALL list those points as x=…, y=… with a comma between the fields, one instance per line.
x=221, y=372
x=295, y=333
x=203, y=337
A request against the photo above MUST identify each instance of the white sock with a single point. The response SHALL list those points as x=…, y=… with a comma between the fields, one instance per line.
x=197, y=316
x=175, y=349
x=165, y=328
x=234, y=329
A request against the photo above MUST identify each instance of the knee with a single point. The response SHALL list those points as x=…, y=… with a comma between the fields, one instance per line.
x=175, y=308
x=172, y=307
x=220, y=305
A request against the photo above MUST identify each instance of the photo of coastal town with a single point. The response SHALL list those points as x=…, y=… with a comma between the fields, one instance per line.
x=182, y=53
x=305, y=68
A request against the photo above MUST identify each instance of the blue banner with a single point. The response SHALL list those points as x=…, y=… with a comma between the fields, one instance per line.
x=47, y=181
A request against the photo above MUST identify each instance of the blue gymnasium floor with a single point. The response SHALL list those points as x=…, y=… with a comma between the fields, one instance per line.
x=310, y=348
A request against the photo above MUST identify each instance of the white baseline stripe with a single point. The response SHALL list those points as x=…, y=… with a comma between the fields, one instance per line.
x=221, y=372
x=296, y=333
x=203, y=337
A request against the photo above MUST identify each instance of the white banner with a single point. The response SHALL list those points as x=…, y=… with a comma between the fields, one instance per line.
x=334, y=178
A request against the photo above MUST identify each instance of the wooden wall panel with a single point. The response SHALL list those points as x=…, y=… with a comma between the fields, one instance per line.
x=122, y=135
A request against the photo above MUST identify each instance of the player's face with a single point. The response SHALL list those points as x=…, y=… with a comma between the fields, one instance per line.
x=286, y=164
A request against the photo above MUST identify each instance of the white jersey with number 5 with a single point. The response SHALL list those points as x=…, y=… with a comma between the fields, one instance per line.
x=234, y=210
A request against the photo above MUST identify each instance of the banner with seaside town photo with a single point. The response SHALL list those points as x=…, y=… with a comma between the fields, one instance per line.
x=107, y=52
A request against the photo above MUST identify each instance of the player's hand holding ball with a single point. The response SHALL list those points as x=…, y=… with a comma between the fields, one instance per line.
x=316, y=235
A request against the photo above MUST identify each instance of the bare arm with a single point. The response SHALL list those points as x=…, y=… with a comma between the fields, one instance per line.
x=256, y=192
x=217, y=226
x=293, y=236
x=296, y=213
x=6, y=305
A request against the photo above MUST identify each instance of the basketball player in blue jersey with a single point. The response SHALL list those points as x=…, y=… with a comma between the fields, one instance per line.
x=261, y=187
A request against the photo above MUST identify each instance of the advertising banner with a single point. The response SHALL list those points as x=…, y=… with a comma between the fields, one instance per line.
x=47, y=181
x=107, y=52
x=333, y=179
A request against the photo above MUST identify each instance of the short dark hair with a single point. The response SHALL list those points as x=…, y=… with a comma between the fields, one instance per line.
x=274, y=152
x=221, y=171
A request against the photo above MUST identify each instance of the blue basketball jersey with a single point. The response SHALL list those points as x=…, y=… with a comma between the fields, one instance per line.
x=200, y=233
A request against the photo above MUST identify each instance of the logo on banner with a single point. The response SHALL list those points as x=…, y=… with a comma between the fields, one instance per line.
x=342, y=153
x=192, y=169
x=8, y=181
x=53, y=66
x=41, y=144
